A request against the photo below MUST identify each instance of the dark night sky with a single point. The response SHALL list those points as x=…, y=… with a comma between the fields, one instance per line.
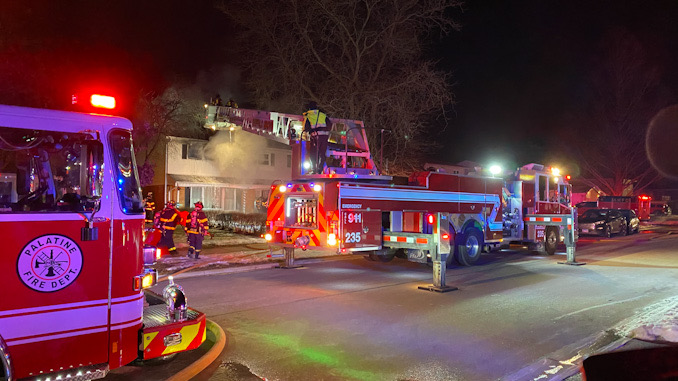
x=517, y=65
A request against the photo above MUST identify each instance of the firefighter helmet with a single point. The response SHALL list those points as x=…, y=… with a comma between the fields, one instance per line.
x=311, y=105
x=171, y=204
x=198, y=205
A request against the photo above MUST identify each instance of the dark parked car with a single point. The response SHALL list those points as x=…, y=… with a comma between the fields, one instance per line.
x=632, y=220
x=602, y=222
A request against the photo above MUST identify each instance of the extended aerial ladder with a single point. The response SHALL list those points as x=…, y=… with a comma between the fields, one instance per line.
x=348, y=154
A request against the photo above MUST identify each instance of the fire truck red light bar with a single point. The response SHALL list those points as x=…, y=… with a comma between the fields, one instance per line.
x=102, y=101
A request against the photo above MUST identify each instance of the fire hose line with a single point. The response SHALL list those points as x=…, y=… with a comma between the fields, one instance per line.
x=206, y=359
x=253, y=248
x=201, y=264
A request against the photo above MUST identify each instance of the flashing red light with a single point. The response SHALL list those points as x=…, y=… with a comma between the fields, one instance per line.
x=430, y=219
x=102, y=101
x=644, y=197
x=446, y=236
x=343, y=251
x=568, y=177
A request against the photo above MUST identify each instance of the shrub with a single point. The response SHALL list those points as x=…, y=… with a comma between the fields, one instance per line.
x=247, y=223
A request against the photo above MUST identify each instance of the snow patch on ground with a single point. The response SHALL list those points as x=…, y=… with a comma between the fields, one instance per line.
x=656, y=322
x=218, y=238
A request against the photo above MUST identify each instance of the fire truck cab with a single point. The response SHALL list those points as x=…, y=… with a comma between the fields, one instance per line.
x=639, y=204
x=535, y=189
x=73, y=266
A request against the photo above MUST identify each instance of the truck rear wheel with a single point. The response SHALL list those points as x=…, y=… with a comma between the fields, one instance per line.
x=469, y=246
x=382, y=255
x=550, y=240
x=382, y=258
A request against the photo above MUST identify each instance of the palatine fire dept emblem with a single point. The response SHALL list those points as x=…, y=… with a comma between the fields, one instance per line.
x=49, y=263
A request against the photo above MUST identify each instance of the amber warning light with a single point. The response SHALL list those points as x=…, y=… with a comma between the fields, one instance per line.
x=102, y=101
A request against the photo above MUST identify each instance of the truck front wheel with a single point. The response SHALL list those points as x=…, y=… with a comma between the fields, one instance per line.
x=469, y=245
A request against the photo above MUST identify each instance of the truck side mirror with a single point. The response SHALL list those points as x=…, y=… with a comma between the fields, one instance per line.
x=91, y=180
x=92, y=169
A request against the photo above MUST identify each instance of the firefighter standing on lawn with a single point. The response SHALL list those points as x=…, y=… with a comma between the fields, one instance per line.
x=168, y=222
x=149, y=208
x=196, y=228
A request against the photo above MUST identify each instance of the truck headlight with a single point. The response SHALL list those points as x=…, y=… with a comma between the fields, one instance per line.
x=148, y=279
x=331, y=239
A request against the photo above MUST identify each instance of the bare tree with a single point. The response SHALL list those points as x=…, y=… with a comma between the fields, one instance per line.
x=358, y=59
x=625, y=95
x=158, y=116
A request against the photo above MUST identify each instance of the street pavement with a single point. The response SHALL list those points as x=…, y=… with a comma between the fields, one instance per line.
x=253, y=253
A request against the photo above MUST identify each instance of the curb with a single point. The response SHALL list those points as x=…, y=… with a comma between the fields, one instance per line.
x=206, y=359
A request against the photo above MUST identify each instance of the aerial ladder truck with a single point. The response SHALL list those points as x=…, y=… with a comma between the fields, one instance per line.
x=350, y=207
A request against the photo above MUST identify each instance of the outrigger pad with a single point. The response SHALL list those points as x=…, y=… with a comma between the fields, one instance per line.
x=575, y=263
x=438, y=289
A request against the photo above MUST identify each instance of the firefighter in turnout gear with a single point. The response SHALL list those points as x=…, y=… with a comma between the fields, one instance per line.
x=317, y=124
x=149, y=208
x=196, y=228
x=168, y=222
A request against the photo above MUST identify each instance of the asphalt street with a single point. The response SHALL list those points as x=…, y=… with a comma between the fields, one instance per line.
x=515, y=316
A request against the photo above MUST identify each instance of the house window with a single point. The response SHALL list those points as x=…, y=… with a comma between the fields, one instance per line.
x=191, y=151
x=195, y=151
x=289, y=161
x=268, y=159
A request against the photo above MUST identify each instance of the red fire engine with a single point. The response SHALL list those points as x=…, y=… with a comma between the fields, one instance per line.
x=640, y=204
x=73, y=266
x=351, y=207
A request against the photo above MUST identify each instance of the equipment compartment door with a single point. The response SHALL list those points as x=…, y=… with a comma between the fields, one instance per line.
x=361, y=229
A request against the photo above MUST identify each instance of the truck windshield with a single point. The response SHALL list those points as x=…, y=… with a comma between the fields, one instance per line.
x=126, y=177
x=49, y=171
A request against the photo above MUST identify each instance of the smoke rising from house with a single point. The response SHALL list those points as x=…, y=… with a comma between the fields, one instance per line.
x=223, y=80
x=236, y=154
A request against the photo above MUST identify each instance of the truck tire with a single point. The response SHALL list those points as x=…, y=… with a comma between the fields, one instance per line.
x=469, y=246
x=162, y=360
x=381, y=258
x=550, y=240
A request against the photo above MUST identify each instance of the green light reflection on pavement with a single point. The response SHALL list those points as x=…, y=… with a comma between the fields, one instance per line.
x=318, y=356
